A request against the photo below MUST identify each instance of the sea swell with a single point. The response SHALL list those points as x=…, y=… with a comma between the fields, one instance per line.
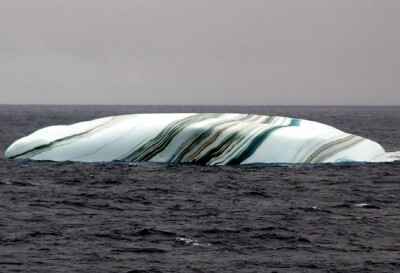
x=138, y=217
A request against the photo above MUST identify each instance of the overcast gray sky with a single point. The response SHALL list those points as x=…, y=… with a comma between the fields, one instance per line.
x=200, y=52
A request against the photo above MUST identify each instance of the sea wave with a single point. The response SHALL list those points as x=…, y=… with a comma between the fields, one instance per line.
x=393, y=156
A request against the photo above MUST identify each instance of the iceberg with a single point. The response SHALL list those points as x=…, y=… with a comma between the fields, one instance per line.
x=196, y=138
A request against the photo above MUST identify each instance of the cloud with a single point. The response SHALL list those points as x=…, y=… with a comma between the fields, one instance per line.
x=200, y=52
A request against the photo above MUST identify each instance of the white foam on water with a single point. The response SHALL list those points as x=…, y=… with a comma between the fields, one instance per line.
x=393, y=156
x=187, y=241
x=361, y=205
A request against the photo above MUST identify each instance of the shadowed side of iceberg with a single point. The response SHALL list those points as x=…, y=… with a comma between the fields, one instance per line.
x=207, y=139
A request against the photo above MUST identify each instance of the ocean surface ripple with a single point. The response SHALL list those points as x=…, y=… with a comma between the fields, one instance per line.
x=118, y=217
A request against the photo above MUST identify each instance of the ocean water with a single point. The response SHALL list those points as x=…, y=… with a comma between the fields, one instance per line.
x=82, y=217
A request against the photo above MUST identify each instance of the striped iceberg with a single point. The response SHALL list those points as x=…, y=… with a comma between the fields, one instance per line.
x=207, y=139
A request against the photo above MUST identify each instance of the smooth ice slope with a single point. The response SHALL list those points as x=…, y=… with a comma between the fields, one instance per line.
x=210, y=139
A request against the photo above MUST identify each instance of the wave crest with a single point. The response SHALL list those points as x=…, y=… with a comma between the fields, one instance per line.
x=393, y=156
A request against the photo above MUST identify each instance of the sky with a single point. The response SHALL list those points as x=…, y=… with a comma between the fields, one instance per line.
x=209, y=52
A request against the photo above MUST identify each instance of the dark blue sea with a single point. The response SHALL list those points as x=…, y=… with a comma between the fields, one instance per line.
x=115, y=217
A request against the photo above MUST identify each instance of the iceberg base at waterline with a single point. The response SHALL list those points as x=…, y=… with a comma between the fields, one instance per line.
x=197, y=138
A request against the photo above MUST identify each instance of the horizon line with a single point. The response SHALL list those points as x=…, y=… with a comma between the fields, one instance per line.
x=204, y=105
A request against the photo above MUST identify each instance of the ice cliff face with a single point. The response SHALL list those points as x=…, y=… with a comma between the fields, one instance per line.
x=209, y=139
